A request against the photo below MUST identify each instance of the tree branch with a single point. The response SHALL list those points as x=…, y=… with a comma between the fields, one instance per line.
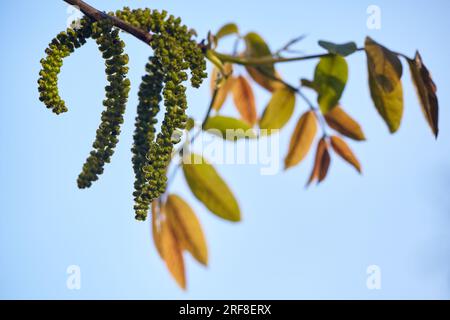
x=97, y=15
x=268, y=59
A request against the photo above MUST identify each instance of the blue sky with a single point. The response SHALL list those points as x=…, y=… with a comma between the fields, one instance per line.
x=293, y=243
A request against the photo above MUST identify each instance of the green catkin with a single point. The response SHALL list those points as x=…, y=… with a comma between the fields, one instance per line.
x=174, y=53
x=59, y=48
x=117, y=90
x=144, y=135
x=111, y=48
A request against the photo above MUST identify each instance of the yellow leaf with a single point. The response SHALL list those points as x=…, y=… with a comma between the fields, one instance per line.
x=385, y=72
x=229, y=128
x=426, y=90
x=340, y=121
x=208, y=187
x=172, y=254
x=244, y=100
x=226, y=30
x=279, y=110
x=343, y=150
x=156, y=225
x=302, y=139
x=321, y=162
x=224, y=87
x=187, y=228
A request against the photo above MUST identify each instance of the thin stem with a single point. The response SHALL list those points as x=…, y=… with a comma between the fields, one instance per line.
x=288, y=45
x=269, y=59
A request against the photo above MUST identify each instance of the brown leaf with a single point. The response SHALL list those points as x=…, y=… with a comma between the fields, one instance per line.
x=263, y=80
x=426, y=90
x=301, y=139
x=224, y=87
x=244, y=100
x=187, y=228
x=172, y=254
x=321, y=163
x=156, y=227
x=342, y=149
x=340, y=121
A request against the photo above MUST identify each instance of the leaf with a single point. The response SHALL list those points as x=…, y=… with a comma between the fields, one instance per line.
x=186, y=228
x=344, y=50
x=209, y=188
x=156, y=226
x=343, y=150
x=385, y=72
x=279, y=110
x=426, y=91
x=321, y=162
x=224, y=86
x=330, y=78
x=302, y=139
x=256, y=47
x=229, y=128
x=226, y=30
x=172, y=254
x=264, y=81
x=340, y=121
x=245, y=100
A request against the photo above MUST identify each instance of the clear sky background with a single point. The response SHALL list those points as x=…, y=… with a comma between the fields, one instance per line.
x=293, y=243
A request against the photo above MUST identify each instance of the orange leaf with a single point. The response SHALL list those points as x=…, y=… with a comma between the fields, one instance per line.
x=187, y=228
x=172, y=254
x=342, y=149
x=301, y=139
x=340, y=121
x=244, y=100
x=321, y=163
x=224, y=87
x=264, y=81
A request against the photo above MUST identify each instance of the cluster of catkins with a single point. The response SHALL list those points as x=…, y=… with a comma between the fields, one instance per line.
x=174, y=52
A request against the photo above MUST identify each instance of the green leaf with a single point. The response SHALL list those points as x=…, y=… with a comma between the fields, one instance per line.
x=279, y=110
x=229, y=128
x=226, y=30
x=256, y=47
x=385, y=72
x=344, y=50
x=330, y=79
x=209, y=188
x=426, y=91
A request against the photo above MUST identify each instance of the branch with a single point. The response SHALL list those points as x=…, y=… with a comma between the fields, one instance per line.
x=98, y=15
x=268, y=59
